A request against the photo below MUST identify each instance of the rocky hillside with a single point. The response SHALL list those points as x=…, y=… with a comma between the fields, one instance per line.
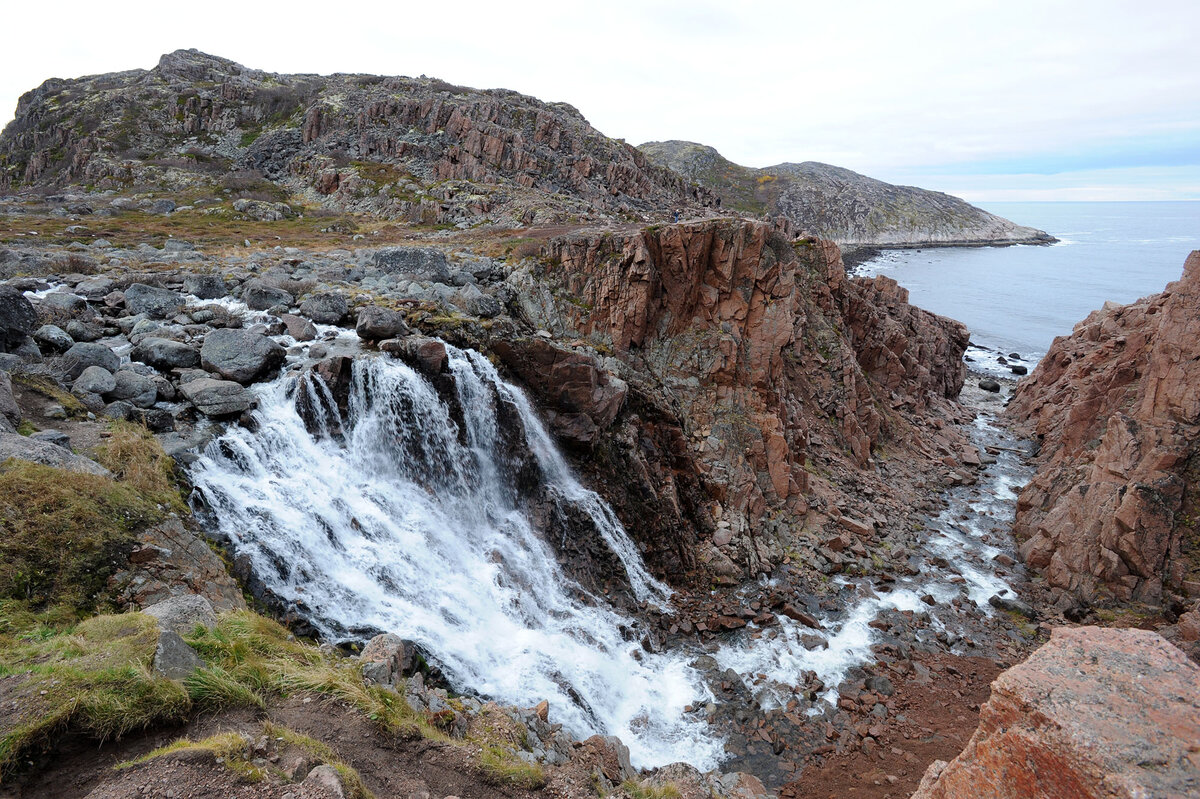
x=835, y=203
x=1112, y=510
x=414, y=149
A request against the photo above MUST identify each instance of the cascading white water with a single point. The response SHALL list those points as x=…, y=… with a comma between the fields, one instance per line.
x=413, y=525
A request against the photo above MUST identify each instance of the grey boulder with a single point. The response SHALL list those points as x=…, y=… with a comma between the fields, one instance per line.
x=154, y=302
x=376, y=323
x=14, y=445
x=53, y=338
x=206, y=287
x=217, y=397
x=173, y=658
x=83, y=354
x=95, y=380
x=183, y=613
x=18, y=319
x=426, y=263
x=240, y=355
x=298, y=327
x=261, y=297
x=165, y=354
x=326, y=309
x=138, y=390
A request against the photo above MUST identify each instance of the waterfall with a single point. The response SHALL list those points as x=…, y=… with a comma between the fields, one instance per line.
x=410, y=515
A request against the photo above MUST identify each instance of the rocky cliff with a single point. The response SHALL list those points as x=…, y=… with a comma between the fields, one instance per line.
x=838, y=204
x=1116, y=406
x=416, y=149
x=769, y=380
x=1095, y=713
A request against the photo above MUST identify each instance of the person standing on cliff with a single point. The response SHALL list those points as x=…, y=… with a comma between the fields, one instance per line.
x=676, y=218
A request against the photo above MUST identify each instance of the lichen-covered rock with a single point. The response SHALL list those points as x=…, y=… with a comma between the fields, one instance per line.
x=1116, y=406
x=18, y=319
x=376, y=323
x=183, y=613
x=217, y=397
x=83, y=354
x=157, y=303
x=327, y=308
x=1094, y=714
x=165, y=354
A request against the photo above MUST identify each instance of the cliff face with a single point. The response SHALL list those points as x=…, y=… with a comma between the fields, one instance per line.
x=412, y=148
x=757, y=365
x=1093, y=713
x=838, y=204
x=1112, y=508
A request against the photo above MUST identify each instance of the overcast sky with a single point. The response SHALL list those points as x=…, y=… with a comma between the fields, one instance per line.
x=1008, y=100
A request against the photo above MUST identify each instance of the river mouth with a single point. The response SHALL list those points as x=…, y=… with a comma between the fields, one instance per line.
x=431, y=508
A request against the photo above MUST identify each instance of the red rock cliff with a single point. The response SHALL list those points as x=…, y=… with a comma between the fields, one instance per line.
x=1111, y=510
x=768, y=360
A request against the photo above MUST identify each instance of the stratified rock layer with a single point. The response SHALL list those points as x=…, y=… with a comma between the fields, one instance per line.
x=1095, y=713
x=1116, y=405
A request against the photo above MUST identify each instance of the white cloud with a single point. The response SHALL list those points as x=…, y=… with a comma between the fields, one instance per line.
x=875, y=86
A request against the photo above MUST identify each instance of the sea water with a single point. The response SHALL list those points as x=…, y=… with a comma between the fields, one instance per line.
x=1018, y=299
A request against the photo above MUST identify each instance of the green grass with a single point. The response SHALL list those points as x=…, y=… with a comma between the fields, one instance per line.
x=351, y=780
x=638, y=790
x=502, y=767
x=231, y=749
x=66, y=532
x=48, y=388
x=94, y=678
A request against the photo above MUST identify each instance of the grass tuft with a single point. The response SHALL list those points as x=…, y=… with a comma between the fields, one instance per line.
x=502, y=767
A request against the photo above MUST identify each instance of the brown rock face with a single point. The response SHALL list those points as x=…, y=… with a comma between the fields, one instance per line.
x=745, y=354
x=1094, y=713
x=1116, y=404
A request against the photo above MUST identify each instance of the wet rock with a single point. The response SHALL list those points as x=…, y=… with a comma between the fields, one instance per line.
x=240, y=355
x=165, y=354
x=260, y=297
x=83, y=354
x=376, y=323
x=327, y=308
x=1017, y=369
x=173, y=658
x=1013, y=605
x=988, y=384
x=18, y=319
x=52, y=338
x=182, y=614
x=298, y=327
x=155, y=302
x=217, y=397
x=95, y=380
x=425, y=354
x=1094, y=714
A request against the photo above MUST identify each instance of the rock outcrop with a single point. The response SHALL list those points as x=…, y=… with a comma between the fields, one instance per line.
x=1094, y=714
x=1116, y=406
x=748, y=358
x=416, y=149
x=838, y=204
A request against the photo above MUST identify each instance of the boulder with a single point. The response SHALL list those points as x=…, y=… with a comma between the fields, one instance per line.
x=14, y=445
x=173, y=658
x=139, y=390
x=206, y=287
x=240, y=355
x=425, y=354
x=55, y=437
x=9, y=410
x=165, y=354
x=52, y=338
x=327, y=308
x=95, y=289
x=83, y=354
x=18, y=319
x=1094, y=714
x=376, y=323
x=298, y=327
x=217, y=397
x=64, y=301
x=470, y=299
x=323, y=781
x=261, y=297
x=423, y=263
x=988, y=384
x=154, y=302
x=387, y=659
x=95, y=380
x=183, y=613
